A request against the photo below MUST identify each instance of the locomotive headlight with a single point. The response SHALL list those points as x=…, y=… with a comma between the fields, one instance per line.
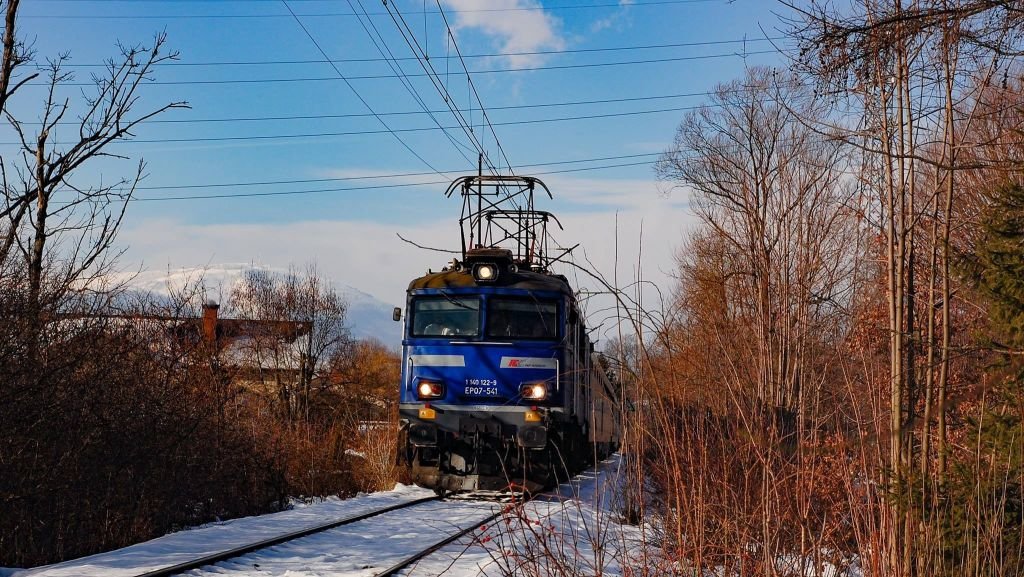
x=485, y=272
x=429, y=390
x=534, y=391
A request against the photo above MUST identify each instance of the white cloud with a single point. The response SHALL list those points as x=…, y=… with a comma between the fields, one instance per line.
x=512, y=30
x=603, y=216
x=624, y=194
x=615, y=19
x=365, y=255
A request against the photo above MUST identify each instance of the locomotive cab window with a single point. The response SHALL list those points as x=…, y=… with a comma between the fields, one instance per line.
x=445, y=317
x=522, y=319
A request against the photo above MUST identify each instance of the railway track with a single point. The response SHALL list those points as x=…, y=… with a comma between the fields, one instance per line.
x=413, y=558
x=421, y=527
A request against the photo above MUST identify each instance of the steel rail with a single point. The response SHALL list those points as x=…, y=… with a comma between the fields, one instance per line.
x=244, y=549
x=392, y=570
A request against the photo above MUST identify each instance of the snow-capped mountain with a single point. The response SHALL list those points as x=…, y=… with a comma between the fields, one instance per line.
x=367, y=315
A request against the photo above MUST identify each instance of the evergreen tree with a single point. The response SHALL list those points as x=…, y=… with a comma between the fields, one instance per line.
x=997, y=268
x=984, y=495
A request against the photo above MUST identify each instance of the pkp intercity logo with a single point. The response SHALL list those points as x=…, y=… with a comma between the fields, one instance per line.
x=528, y=363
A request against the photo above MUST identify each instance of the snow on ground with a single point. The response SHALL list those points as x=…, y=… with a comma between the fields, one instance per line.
x=213, y=538
x=572, y=530
x=362, y=549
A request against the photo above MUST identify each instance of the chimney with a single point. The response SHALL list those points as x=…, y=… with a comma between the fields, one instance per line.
x=210, y=322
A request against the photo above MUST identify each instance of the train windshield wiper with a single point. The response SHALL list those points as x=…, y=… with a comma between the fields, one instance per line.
x=459, y=303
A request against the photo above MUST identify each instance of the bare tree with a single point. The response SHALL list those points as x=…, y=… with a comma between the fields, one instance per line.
x=293, y=368
x=73, y=222
x=15, y=54
x=905, y=77
x=765, y=284
x=61, y=223
x=773, y=190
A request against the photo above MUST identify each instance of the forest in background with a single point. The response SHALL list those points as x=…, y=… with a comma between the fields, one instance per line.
x=836, y=381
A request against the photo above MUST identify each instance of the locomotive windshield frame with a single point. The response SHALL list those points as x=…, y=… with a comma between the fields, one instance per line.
x=444, y=315
x=521, y=318
x=485, y=313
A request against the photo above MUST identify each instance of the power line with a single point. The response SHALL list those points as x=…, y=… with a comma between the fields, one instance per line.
x=684, y=159
x=427, y=129
x=357, y=188
x=477, y=71
x=396, y=67
x=415, y=112
x=587, y=168
x=173, y=64
x=431, y=74
x=378, y=176
x=356, y=92
x=637, y=4
x=389, y=130
x=287, y=193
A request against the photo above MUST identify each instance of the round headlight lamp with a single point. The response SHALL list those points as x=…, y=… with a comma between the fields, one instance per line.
x=429, y=390
x=485, y=272
x=534, y=391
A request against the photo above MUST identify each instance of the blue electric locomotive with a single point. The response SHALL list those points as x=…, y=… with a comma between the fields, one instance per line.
x=500, y=385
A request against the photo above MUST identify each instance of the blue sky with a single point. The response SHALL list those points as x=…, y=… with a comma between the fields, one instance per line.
x=351, y=234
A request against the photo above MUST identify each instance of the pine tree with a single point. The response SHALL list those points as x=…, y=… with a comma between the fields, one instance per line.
x=985, y=494
x=998, y=265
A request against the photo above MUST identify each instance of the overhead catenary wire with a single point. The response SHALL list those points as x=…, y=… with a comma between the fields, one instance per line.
x=428, y=111
x=348, y=78
x=442, y=87
x=359, y=96
x=483, y=110
x=377, y=176
x=359, y=188
x=396, y=67
x=421, y=56
x=389, y=130
x=178, y=63
x=431, y=74
x=634, y=4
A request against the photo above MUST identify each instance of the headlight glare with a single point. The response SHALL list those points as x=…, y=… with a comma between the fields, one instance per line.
x=534, y=391
x=429, y=390
x=485, y=272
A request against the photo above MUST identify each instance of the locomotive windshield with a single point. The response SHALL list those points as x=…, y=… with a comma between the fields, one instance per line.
x=446, y=316
x=522, y=319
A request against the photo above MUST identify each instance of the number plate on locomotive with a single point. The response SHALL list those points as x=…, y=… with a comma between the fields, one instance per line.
x=481, y=388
